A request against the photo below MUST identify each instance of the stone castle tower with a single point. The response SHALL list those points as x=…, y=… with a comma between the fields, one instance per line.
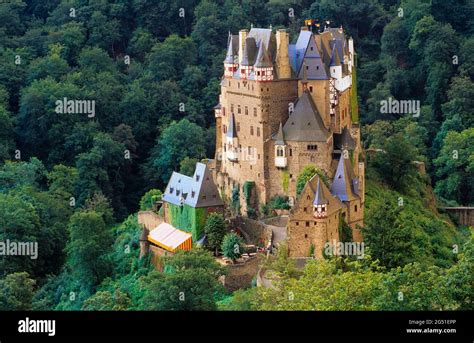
x=285, y=106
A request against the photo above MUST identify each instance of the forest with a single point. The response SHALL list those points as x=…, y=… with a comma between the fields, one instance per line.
x=73, y=183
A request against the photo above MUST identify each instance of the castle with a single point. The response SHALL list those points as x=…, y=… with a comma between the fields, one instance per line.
x=283, y=107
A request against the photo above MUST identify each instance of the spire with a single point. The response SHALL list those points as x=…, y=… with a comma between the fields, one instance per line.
x=263, y=60
x=232, y=132
x=229, y=58
x=280, y=137
x=319, y=198
x=343, y=183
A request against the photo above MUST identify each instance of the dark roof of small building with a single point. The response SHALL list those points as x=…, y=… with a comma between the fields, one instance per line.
x=196, y=191
x=345, y=184
x=305, y=122
x=231, y=131
x=344, y=140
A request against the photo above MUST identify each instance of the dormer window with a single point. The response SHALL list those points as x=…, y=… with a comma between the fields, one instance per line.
x=193, y=193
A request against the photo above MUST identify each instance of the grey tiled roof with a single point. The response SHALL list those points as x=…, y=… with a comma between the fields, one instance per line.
x=344, y=183
x=232, y=55
x=196, y=191
x=305, y=123
x=263, y=60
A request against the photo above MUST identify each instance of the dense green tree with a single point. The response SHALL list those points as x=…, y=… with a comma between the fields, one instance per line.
x=215, y=230
x=89, y=243
x=232, y=246
x=187, y=166
x=307, y=174
x=455, y=167
x=16, y=292
x=169, y=150
x=388, y=237
x=149, y=199
x=106, y=301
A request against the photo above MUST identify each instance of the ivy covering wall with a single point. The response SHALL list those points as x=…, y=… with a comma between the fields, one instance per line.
x=188, y=219
x=285, y=180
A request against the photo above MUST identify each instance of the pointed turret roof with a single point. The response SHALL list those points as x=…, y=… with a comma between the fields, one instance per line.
x=232, y=132
x=305, y=123
x=280, y=136
x=263, y=60
x=344, y=181
x=319, y=198
x=232, y=49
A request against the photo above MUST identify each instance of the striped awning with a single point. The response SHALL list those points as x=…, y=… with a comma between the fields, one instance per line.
x=169, y=238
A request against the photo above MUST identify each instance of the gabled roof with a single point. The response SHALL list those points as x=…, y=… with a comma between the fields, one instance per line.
x=344, y=183
x=196, y=191
x=305, y=123
x=315, y=185
x=263, y=60
x=319, y=197
x=231, y=131
x=266, y=37
x=168, y=237
x=279, y=137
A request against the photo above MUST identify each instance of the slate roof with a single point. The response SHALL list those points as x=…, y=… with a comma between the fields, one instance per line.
x=344, y=140
x=345, y=185
x=319, y=197
x=279, y=137
x=305, y=123
x=311, y=187
x=266, y=37
x=232, y=55
x=196, y=191
x=263, y=60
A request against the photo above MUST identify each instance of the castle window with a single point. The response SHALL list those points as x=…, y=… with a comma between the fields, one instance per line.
x=238, y=84
x=232, y=108
x=197, y=177
x=258, y=132
x=307, y=223
x=291, y=152
x=258, y=73
x=246, y=110
x=203, y=197
x=238, y=127
x=355, y=208
x=317, y=67
x=312, y=147
x=297, y=223
x=307, y=67
x=251, y=130
x=238, y=109
x=305, y=209
x=193, y=193
x=254, y=111
x=311, y=89
x=268, y=89
x=306, y=235
x=311, y=48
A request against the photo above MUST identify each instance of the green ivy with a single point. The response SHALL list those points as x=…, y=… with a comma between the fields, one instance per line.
x=285, y=179
x=235, y=199
x=247, y=188
x=188, y=219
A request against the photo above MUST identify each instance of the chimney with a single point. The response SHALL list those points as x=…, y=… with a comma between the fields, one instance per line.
x=242, y=37
x=282, y=59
